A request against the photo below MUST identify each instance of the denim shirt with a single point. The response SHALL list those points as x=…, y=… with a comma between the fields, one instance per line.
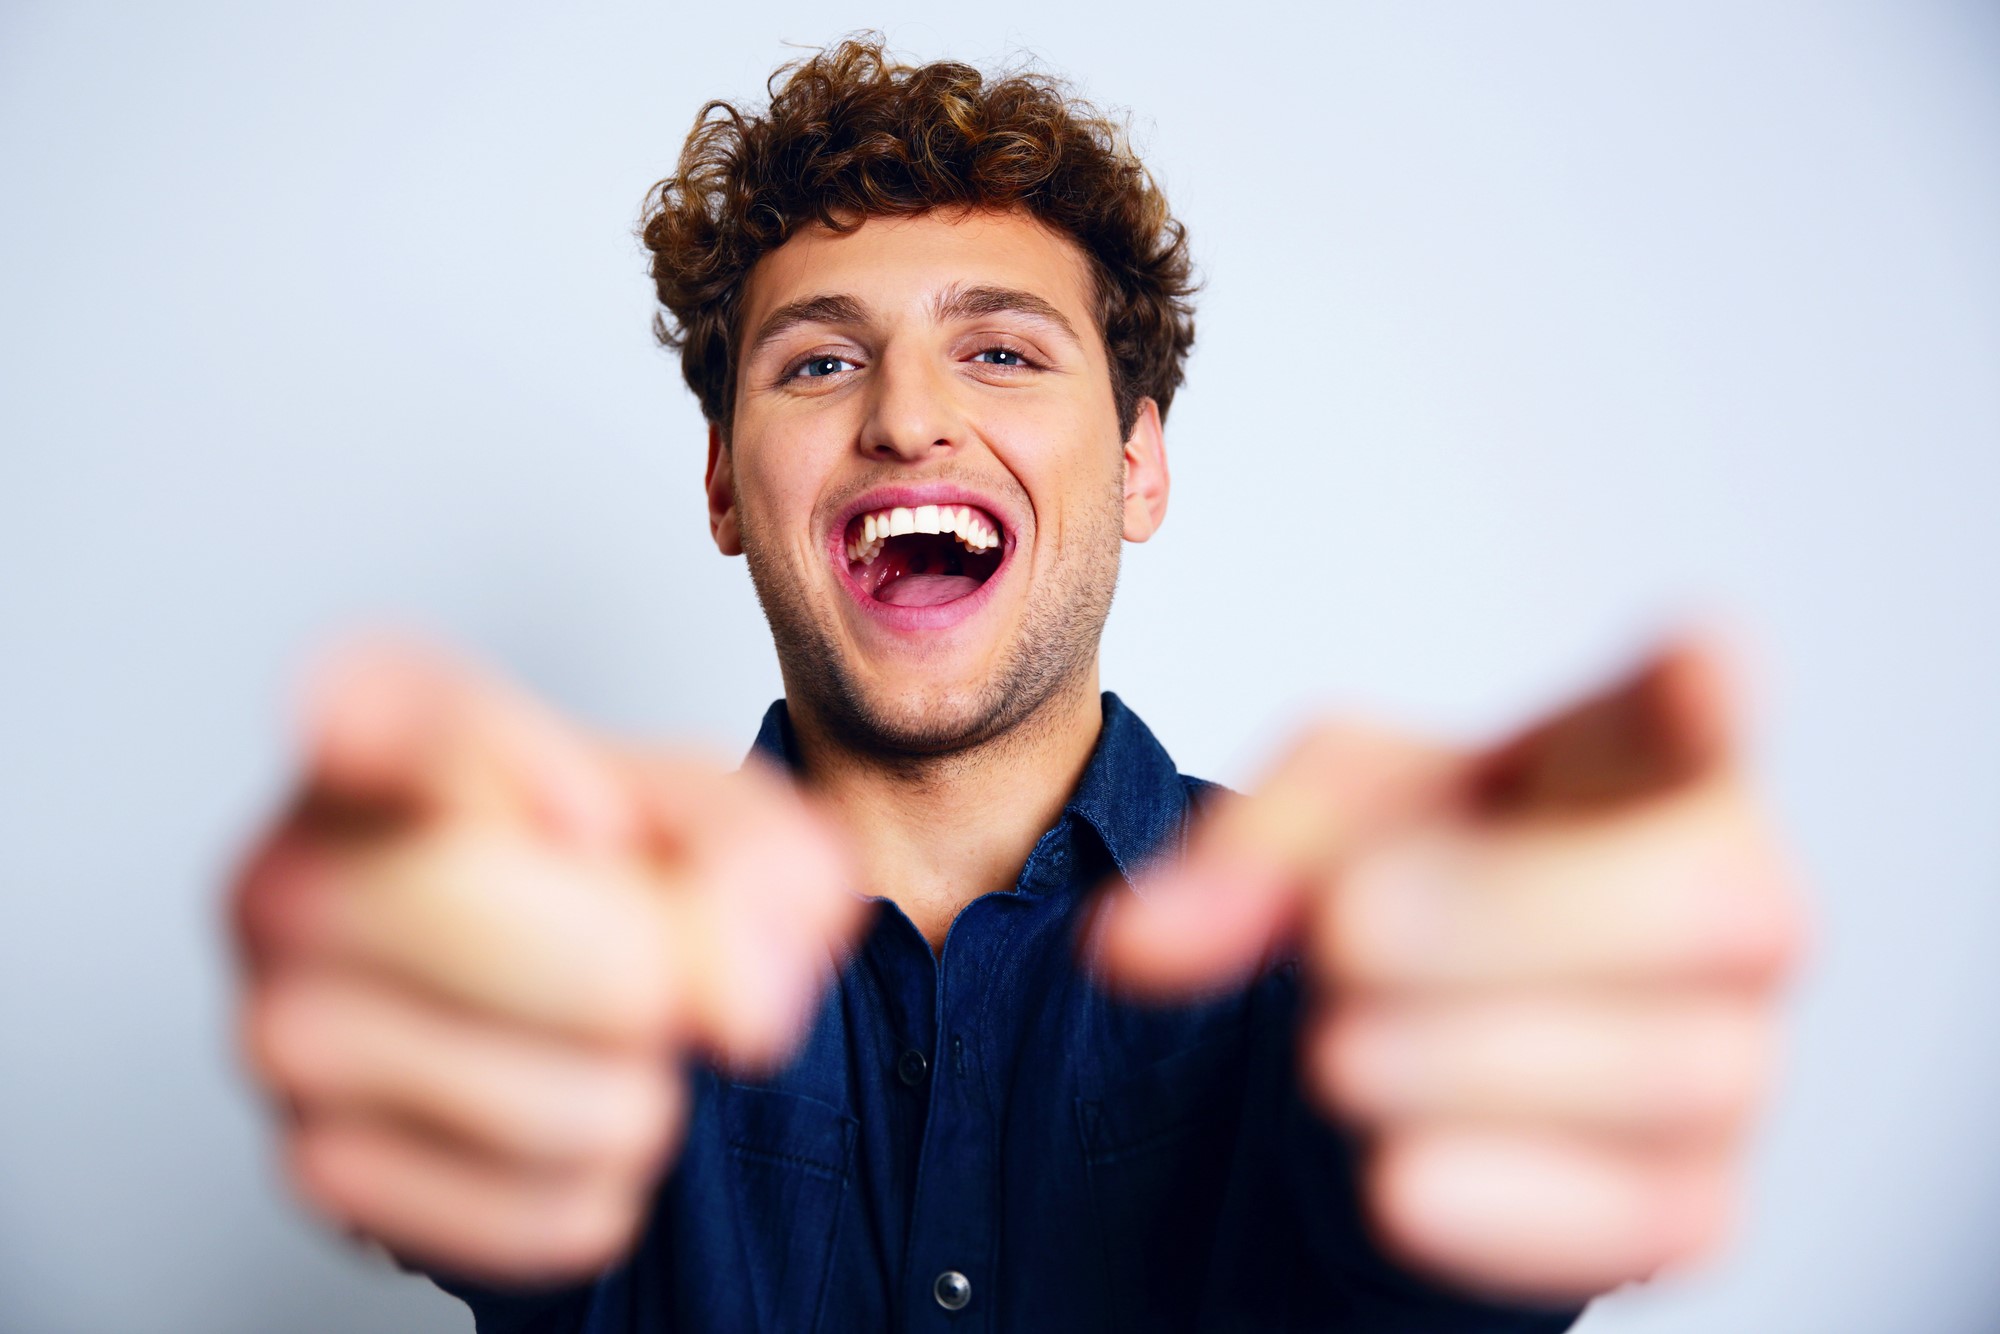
x=985, y=1139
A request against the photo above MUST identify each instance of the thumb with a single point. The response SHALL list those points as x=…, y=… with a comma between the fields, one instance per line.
x=396, y=729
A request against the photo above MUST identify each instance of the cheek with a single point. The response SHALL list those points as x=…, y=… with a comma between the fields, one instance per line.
x=1088, y=516
x=776, y=491
x=1073, y=479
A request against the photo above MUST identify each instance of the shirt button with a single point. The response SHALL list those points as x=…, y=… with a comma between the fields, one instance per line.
x=911, y=1068
x=952, y=1290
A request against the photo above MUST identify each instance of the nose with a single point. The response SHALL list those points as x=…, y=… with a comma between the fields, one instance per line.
x=912, y=411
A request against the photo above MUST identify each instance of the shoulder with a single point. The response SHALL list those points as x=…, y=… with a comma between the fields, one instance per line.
x=1200, y=791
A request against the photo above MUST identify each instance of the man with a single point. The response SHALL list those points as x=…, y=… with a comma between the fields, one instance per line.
x=960, y=1007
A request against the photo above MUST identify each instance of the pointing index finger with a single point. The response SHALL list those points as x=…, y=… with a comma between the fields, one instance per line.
x=397, y=729
x=1345, y=788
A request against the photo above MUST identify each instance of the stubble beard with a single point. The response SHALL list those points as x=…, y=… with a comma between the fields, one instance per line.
x=1048, y=664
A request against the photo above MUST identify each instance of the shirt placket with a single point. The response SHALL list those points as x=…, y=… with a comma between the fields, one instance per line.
x=951, y=1277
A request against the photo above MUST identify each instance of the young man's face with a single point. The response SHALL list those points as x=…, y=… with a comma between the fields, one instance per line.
x=926, y=475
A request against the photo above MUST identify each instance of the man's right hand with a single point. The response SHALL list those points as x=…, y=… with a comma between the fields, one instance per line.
x=477, y=944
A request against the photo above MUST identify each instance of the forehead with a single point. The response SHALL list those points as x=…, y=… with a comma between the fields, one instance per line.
x=896, y=266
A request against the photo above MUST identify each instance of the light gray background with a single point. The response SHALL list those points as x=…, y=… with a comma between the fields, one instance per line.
x=1529, y=327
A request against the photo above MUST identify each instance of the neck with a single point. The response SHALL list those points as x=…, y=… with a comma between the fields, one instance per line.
x=932, y=833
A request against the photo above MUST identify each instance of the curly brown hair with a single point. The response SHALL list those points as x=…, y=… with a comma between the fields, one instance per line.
x=850, y=134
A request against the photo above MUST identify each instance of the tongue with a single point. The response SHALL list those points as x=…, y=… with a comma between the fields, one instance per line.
x=926, y=590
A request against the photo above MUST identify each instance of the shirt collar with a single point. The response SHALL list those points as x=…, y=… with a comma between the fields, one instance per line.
x=1130, y=792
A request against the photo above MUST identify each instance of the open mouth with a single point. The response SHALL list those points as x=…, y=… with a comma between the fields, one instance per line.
x=922, y=555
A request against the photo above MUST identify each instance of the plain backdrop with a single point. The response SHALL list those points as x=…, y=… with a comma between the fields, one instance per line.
x=1529, y=329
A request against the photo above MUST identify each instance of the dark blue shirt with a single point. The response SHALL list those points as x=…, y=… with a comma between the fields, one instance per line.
x=990, y=1130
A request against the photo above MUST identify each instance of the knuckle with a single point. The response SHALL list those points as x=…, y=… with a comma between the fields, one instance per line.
x=1345, y=1074
x=587, y=1229
x=751, y=1036
x=1747, y=916
x=1784, y=929
x=328, y=1171
x=1702, y=1203
x=1717, y=1069
x=634, y=1119
x=1321, y=1067
x=284, y=1038
x=1399, y=1187
x=1759, y=925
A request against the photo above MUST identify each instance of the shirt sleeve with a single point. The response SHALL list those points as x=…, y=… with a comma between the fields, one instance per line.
x=499, y=1311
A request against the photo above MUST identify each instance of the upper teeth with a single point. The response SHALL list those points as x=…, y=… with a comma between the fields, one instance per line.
x=968, y=525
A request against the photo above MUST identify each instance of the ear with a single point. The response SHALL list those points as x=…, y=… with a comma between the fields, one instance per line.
x=720, y=483
x=1146, y=480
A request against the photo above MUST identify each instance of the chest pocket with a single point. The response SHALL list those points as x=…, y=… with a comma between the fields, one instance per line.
x=1157, y=1150
x=790, y=1156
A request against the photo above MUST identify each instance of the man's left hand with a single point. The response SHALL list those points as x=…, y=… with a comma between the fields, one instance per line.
x=1542, y=977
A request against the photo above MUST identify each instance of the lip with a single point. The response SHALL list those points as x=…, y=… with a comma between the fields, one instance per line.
x=919, y=619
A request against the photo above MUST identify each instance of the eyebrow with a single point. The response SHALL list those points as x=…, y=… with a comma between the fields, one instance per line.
x=833, y=308
x=962, y=303
x=954, y=303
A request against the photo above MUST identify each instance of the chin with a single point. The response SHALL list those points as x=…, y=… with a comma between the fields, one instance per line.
x=882, y=710
x=931, y=643
x=931, y=720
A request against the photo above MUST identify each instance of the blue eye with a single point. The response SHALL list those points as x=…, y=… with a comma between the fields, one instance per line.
x=818, y=368
x=1016, y=358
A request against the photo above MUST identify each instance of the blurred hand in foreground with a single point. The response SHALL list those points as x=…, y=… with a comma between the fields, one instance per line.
x=1543, y=976
x=477, y=944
